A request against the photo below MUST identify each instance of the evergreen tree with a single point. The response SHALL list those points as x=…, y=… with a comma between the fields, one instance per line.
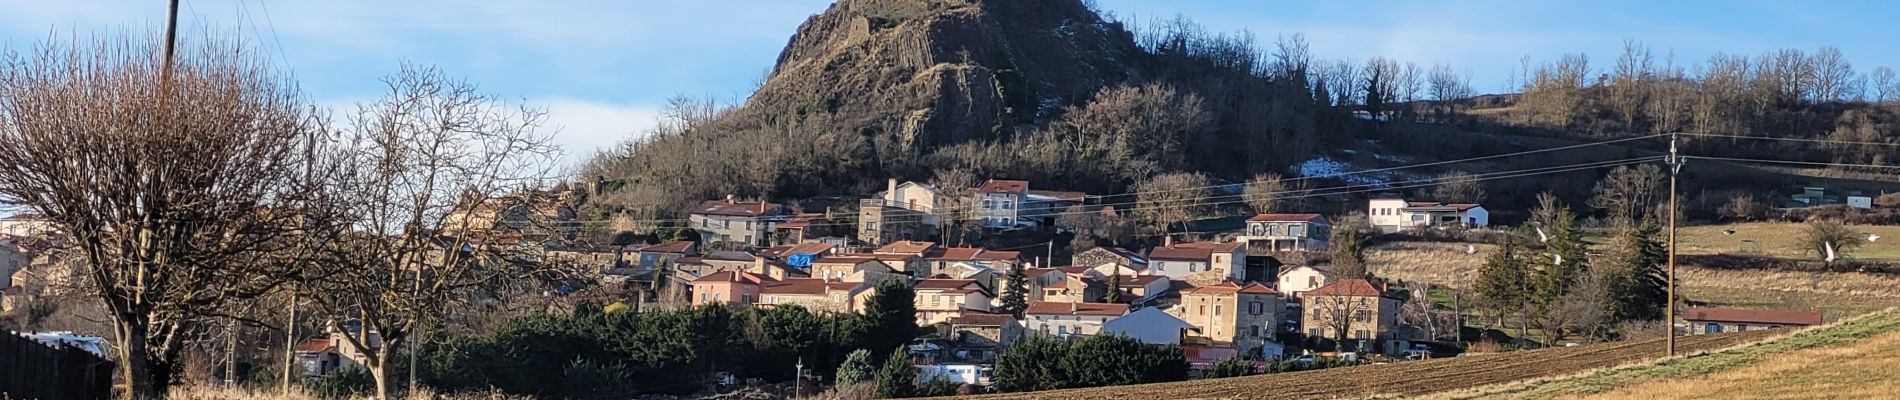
x=1561, y=262
x=898, y=378
x=1015, y=292
x=1502, y=280
x=1114, y=288
x=856, y=368
x=1030, y=364
x=1635, y=275
x=1349, y=256
x=890, y=316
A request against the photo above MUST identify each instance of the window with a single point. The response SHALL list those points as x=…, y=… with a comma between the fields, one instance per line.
x=1295, y=230
x=1712, y=328
x=1256, y=308
x=1259, y=229
x=1256, y=330
x=1418, y=217
x=1216, y=310
x=748, y=238
x=1062, y=330
x=870, y=226
x=1203, y=310
x=1359, y=315
x=1312, y=281
x=989, y=204
x=705, y=223
x=1008, y=205
x=1273, y=230
x=1742, y=327
x=1361, y=334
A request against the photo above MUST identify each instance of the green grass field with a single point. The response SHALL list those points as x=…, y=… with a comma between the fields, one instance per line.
x=1781, y=240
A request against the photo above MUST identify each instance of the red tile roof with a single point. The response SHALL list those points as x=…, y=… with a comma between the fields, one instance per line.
x=1002, y=186
x=1223, y=247
x=734, y=276
x=1781, y=317
x=972, y=318
x=1225, y=288
x=316, y=345
x=800, y=221
x=906, y=247
x=808, y=286
x=1285, y=217
x=1347, y=287
x=969, y=254
x=1047, y=307
x=1140, y=280
x=737, y=209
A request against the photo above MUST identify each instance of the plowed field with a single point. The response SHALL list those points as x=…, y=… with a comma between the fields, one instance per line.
x=1404, y=378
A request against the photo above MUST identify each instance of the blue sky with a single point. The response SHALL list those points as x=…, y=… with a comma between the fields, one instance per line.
x=602, y=68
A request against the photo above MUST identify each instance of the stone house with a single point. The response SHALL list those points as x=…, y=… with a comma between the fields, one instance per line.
x=1287, y=232
x=1351, y=309
x=1242, y=316
x=1200, y=262
x=748, y=223
x=1069, y=319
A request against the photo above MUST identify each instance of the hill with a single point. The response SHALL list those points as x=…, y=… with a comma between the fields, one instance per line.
x=953, y=90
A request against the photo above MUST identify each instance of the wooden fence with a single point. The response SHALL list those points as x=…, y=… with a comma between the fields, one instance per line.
x=30, y=369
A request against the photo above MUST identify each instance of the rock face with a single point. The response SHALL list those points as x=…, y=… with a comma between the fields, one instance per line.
x=929, y=73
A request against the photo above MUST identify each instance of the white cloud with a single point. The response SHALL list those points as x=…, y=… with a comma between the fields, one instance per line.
x=585, y=126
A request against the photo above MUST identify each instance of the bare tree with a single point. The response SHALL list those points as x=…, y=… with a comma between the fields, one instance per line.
x=1171, y=199
x=171, y=182
x=1627, y=193
x=1340, y=314
x=1833, y=75
x=1458, y=187
x=1381, y=85
x=1630, y=85
x=1422, y=312
x=1265, y=192
x=1447, y=87
x=432, y=200
x=1822, y=236
x=1883, y=84
x=1292, y=58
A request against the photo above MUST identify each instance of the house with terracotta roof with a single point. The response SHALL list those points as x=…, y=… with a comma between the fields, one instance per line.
x=798, y=255
x=746, y=222
x=1287, y=232
x=816, y=294
x=900, y=212
x=1005, y=204
x=939, y=300
x=643, y=257
x=1351, y=309
x=728, y=287
x=941, y=257
x=1299, y=279
x=1705, y=320
x=979, y=337
x=1393, y=214
x=982, y=274
x=1232, y=314
x=838, y=266
x=1112, y=255
x=1204, y=261
x=911, y=247
x=1141, y=288
x=1061, y=319
x=801, y=228
x=1079, y=287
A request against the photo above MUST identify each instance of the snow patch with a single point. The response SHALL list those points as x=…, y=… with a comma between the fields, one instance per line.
x=1327, y=167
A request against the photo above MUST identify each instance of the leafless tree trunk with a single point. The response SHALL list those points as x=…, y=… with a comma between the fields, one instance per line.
x=1883, y=84
x=433, y=198
x=169, y=190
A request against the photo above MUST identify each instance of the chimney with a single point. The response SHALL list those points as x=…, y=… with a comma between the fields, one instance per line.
x=762, y=206
x=760, y=262
x=1072, y=307
x=729, y=199
x=890, y=191
x=1167, y=240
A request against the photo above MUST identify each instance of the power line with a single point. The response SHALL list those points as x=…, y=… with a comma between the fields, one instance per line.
x=1816, y=163
x=1787, y=139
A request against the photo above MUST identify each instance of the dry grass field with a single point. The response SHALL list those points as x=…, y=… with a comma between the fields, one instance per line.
x=1781, y=240
x=1404, y=379
x=1854, y=359
x=1429, y=262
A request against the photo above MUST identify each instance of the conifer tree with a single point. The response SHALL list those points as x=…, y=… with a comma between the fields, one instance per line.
x=898, y=378
x=1015, y=292
x=1114, y=288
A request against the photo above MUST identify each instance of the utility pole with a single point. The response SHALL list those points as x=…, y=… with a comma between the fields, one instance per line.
x=1052, y=252
x=798, y=378
x=1669, y=303
x=290, y=340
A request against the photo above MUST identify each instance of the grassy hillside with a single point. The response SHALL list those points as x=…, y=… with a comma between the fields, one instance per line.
x=1781, y=240
x=1851, y=359
x=1404, y=379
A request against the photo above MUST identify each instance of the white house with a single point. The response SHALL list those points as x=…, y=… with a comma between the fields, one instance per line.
x=974, y=374
x=1180, y=261
x=1393, y=214
x=1301, y=279
x=1150, y=325
x=1069, y=319
x=26, y=224
x=1004, y=203
x=1287, y=232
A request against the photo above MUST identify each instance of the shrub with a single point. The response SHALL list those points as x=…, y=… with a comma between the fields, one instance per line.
x=1230, y=367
